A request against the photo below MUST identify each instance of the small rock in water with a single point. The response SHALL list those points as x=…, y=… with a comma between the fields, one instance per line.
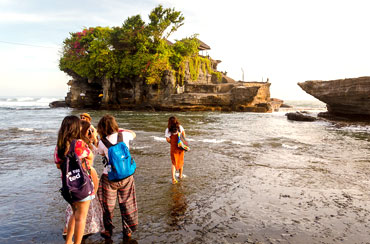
x=298, y=116
x=58, y=104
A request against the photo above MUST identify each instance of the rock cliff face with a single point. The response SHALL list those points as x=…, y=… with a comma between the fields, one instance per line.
x=208, y=92
x=342, y=97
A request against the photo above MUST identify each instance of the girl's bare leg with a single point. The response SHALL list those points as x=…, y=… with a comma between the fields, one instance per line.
x=180, y=172
x=173, y=171
x=70, y=229
x=80, y=214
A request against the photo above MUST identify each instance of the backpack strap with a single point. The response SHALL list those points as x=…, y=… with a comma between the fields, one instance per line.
x=119, y=137
x=72, y=146
x=71, y=150
x=107, y=145
x=106, y=142
x=87, y=169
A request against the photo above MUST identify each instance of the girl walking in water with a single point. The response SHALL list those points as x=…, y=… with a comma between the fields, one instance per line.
x=177, y=154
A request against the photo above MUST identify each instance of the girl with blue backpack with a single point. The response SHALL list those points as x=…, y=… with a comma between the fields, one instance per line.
x=117, y=179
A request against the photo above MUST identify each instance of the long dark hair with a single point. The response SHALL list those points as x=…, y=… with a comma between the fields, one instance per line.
x=69, y=131
x=107, y=126
x=173, y=124
x=84, y=127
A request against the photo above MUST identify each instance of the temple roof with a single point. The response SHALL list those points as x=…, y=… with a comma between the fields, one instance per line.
x=203, y=46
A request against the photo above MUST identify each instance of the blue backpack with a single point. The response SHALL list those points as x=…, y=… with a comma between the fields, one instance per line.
x=76, y=183
x=120, y=164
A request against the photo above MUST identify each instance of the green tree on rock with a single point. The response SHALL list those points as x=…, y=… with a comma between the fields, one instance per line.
x=134, y=50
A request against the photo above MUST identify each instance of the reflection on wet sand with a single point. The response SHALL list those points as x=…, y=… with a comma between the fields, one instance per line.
x=178, y=206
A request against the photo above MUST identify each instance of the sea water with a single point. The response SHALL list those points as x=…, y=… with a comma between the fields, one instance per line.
x=251, y=177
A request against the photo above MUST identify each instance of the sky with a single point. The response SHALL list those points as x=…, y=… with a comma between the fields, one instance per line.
x=286, y=41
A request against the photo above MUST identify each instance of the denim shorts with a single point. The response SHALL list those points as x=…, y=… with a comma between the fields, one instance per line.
x=91, y=197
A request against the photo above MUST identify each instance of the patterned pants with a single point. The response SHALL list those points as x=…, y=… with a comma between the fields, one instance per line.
x=125, y=190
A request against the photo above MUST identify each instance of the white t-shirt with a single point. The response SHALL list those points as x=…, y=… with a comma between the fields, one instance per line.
x=103, y=150
x=168, y=134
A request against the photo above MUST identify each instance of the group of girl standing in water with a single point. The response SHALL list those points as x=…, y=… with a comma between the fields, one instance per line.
x=95, y=214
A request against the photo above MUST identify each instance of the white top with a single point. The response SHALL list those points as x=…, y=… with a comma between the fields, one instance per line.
x=103, y=150
x=168, y=134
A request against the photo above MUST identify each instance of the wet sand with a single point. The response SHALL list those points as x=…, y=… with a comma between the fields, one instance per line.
x=280, y=205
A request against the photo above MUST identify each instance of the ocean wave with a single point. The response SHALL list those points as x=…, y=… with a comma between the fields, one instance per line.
x=26, y=108
x=213, y=140
x=25, y=99
x=289, y=147
x=46, y=131
x=156, y=138
x=16, y=129
x=140, y=147
x=46, y=100
x=238, y=143
x=29, y=102
x=353, y=128
x=26, y=129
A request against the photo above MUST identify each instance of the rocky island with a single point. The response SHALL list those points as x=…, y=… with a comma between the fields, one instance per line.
x=205, y=93
x=345, y=97
x=136, y=67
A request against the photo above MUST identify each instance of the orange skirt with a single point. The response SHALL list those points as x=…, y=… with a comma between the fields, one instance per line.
x=177, y=154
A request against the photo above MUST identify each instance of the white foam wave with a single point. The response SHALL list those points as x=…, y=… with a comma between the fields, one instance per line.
x=26, y=129
x=290, y=147
x=238, y=143
x=142, y=147
x=46, y=131
x=212, y=140
x=46, y=100
x=19, y=102
x=156, y=138
x=355, y=128
x=25, y=99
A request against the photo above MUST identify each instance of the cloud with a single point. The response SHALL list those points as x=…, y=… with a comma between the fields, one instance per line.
x=31, y=71
x=287, y=41
x=20, y=17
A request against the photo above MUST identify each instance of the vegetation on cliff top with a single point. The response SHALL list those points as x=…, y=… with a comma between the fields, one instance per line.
x=136, y=49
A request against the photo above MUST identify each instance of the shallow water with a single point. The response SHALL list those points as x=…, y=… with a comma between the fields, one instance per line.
x=251, y=178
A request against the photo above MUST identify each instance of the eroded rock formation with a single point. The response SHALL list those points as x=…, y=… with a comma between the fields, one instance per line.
x=208, y=92
x=342, y=97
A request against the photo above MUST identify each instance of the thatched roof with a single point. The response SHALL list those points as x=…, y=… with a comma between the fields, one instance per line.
x=203, y=46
